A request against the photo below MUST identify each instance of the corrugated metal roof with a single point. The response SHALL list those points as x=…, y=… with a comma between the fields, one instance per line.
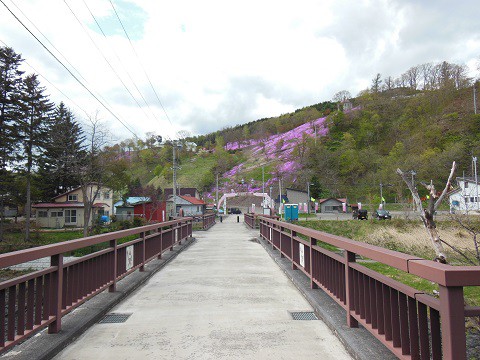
x=193, y=200
x=66, y=205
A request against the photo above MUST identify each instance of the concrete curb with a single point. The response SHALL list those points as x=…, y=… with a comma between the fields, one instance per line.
x=46, y=346
x=357, y=341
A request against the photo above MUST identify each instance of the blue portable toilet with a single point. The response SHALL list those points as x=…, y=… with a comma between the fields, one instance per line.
x=291, y=212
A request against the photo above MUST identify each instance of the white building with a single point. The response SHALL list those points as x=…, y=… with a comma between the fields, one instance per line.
x=466, y=196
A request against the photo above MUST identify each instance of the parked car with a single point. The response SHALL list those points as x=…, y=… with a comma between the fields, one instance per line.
x=360, y=214
x=382, y=215
x=234, y=211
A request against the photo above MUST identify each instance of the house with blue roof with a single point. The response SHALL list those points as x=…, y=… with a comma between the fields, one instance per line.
x=124, y=210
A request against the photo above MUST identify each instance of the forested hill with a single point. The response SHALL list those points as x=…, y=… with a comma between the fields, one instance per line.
x=421, y=121
x=420, y=130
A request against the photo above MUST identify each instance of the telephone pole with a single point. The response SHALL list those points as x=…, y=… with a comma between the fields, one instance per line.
x=474, y=99
x=476, y=181
x=174, y=168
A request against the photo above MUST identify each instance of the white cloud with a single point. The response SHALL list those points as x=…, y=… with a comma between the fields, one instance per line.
x=218, y=63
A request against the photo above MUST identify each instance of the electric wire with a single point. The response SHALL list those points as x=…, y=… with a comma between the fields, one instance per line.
x=68, y=70
x=120, y=61
x=102, y=54
x=140, y=62
x=46, y=38
x=52, y=84
x=61, y=55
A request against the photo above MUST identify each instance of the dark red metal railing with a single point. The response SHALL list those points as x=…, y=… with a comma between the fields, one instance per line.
x=412, y=324
x=32, y=302
x=252, y=220
x=208, y=220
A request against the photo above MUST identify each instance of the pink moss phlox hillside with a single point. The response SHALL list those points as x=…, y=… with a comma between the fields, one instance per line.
x=275, y=147
x=270, y=143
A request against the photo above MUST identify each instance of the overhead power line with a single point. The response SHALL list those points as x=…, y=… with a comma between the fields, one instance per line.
x=46, y=38
x=121, y=62
x=101, y=52
x=52, y=84
x=140, y=62
x=68, y=70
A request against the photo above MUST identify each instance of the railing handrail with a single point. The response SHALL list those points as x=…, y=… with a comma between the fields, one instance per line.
x=21, y=256
x=443, y=274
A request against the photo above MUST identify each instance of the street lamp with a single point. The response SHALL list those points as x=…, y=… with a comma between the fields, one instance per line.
x=413, y=173
x=474, y=158
x=271, y=201
x=382, y=200
x=308, y=194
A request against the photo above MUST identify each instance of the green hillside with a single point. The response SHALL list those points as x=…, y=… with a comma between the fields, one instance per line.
x=417, y=130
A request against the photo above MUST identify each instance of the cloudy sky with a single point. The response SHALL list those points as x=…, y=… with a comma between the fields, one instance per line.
x=215, y=64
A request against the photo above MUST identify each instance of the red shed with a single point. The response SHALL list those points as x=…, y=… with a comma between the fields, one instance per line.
x=151, y=212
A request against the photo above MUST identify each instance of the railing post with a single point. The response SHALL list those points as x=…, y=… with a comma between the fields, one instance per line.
x=181, y=233
x=280, y=241
x=293, y=234
x=113, y=287
x=55, y=295
x=452, y=316
x=313, y=284
x=142, y=267
x=159, y=230
x=349, y=284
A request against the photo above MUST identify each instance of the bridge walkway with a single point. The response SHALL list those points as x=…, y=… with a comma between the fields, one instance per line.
x=224, y=297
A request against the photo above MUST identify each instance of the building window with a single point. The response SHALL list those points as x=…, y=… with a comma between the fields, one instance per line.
x=70, y=216
x=466, y=199
x=466, y=184
x=56, y=214
x=106, y=195
x=73, y=197
x=42, y=214
x=471, y=199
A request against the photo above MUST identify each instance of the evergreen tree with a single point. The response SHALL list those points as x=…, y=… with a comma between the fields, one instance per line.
x=10, y=80
x=64, y=146
x=33, y=128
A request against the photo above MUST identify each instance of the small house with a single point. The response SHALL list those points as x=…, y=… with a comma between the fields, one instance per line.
x=188, y=205
x=332, y=205
x=67, y=209
x=124, y=210
x=465, y=197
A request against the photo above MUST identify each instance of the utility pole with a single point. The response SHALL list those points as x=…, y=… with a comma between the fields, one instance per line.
x=381, y=195
x=476, y=181
x=174, y=168
x=280, y=197
x=216, y=194
x=474, y=99
x=308, y=195
x=263, y=188
x=413, y=186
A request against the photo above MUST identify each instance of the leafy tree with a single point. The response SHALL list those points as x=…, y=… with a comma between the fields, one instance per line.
x=376, y=83
x=33, y=128
x=64, y=146
x=10, y=84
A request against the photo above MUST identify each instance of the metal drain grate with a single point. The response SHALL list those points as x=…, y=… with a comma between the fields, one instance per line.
x=303, y=315
x=114, y=318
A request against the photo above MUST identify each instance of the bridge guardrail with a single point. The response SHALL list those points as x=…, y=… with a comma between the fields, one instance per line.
x=412, y=324
x=252, y=220
x=40, y=299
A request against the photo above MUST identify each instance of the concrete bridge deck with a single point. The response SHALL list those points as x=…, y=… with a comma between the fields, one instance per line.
x=224, y=297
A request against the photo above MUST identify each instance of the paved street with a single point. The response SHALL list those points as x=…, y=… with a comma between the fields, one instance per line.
x=222, y=298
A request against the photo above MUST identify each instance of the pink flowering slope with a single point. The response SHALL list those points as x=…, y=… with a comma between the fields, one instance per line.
x=277, y=147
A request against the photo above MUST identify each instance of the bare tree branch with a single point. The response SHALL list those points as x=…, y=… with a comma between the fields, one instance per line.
x=427, y=215
x=447, y=186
